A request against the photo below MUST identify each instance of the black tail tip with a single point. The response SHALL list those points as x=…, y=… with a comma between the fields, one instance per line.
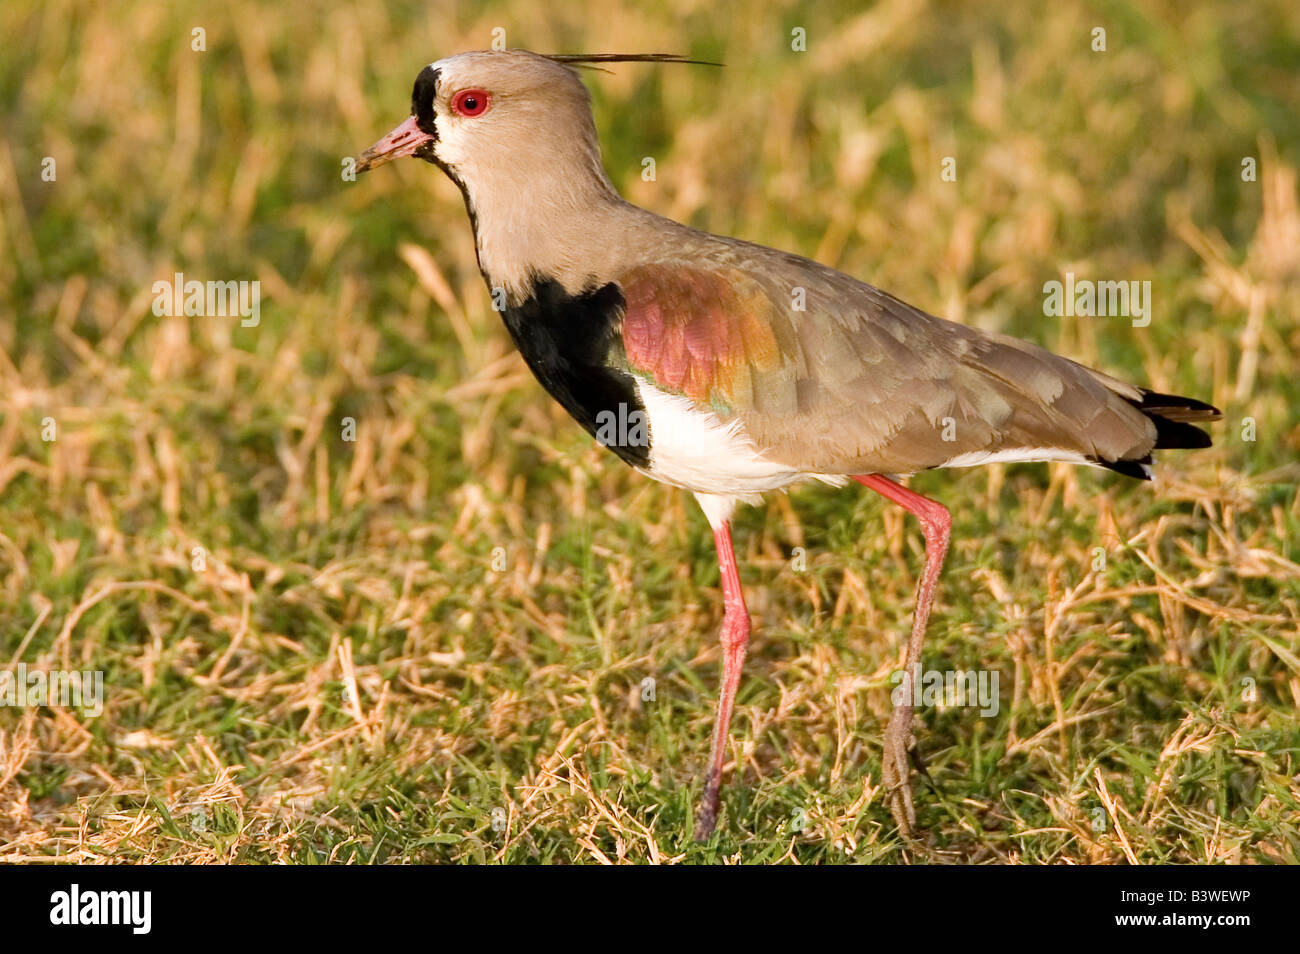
x=1139, y=469
x=1175, y=418
x=1176, y=407
x=1178, y=434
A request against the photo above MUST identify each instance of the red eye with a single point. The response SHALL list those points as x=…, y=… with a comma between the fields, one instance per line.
x=470, y=102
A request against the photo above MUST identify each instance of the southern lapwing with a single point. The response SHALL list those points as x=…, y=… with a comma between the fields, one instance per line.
x=730, y=369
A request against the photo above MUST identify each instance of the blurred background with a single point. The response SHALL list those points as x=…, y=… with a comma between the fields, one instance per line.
x=459, y=631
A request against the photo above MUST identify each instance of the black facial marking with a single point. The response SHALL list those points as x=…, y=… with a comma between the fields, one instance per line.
x=422, y=96
x=565, y=341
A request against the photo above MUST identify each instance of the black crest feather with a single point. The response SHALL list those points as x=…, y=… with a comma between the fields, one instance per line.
x=589, y=60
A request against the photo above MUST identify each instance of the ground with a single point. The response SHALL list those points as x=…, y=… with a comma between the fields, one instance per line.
x=360, y=592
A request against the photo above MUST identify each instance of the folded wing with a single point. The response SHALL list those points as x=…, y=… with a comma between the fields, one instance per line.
x=828, y=375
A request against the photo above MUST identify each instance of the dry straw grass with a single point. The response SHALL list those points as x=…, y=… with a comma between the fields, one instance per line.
x=454, y=614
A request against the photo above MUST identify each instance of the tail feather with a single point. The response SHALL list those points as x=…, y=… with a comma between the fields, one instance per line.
x=1173, y=433
x=1175, y=418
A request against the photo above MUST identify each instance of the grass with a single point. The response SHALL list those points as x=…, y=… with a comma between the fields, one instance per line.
x=432, y=643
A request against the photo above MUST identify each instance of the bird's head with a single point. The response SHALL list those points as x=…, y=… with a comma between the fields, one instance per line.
x=491, y=117
x=514, y=130
x=477, y=114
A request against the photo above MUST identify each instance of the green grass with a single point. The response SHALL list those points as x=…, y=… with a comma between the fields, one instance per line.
x=399, y=640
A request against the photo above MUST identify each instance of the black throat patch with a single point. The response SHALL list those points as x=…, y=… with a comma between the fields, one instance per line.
x=566, y=342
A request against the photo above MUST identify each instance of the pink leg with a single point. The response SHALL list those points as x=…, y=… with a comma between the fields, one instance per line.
x=936, y=523
x=735, y=637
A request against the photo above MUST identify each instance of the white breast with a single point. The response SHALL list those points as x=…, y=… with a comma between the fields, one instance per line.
x=693, y=448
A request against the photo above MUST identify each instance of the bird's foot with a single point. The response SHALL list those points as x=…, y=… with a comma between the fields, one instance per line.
x=897, y=770
x=707, y=817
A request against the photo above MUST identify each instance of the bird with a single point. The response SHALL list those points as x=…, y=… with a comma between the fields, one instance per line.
x=729, y=369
